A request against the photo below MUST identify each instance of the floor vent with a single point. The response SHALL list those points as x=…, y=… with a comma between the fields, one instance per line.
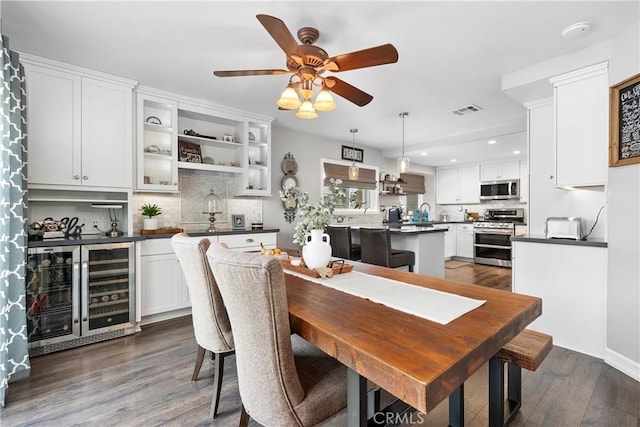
x=473, y=108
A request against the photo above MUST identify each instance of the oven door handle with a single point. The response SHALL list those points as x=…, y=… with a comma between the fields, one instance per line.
x=502, y=233
x=480, y=245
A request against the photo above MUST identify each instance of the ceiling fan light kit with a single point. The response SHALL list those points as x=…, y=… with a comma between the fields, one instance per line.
x=307, y=62
x=403, y=161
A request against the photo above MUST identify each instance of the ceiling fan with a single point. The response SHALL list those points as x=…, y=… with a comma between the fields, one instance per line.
x=307, y=63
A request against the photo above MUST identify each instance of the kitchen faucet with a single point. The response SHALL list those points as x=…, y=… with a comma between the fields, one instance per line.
x=424, y=214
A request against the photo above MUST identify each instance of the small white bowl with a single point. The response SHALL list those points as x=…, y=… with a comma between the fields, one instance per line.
x=296, y=262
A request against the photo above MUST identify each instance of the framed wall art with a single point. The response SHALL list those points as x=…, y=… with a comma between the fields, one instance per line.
x=237, y=222
x=624, y=122
x=189, y=152
x=351, y=153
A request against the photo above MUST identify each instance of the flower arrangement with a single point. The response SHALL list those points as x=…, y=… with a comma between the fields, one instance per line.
x=314, y=216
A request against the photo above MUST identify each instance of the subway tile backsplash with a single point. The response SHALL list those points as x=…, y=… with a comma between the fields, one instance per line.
x=184, y=209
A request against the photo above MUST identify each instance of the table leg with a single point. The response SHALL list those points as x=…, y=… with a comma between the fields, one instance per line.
x=496, y=392
x=356, y=399
x=456, y=407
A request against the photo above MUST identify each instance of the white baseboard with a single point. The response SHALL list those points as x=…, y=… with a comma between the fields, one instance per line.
x=622, y=363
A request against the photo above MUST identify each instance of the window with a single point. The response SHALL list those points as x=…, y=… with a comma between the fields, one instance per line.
x=361, y=194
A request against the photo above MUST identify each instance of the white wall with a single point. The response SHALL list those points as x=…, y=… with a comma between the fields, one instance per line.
x=622, y=197
x=623, y=282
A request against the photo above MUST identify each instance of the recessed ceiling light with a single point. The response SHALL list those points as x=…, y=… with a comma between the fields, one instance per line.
x=423, y=153
x=493, y=141
x=453, y=160
x=516, y=152
x=575, y=30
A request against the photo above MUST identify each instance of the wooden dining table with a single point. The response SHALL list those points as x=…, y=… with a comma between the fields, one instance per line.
x=419, y=361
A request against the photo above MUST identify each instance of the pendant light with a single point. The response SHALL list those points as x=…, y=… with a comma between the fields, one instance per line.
x=354, y=172
x=403, y=162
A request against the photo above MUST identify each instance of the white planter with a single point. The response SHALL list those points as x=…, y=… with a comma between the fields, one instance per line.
x=317, y=251
x=150, y=224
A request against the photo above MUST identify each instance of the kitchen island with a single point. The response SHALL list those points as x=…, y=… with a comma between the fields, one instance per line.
x=426, y=242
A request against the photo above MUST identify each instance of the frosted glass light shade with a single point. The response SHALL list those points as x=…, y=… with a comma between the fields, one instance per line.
x=289, y=99
x=306, y=111
x=324, y=101
x=403, y=164
x=354, y=172
x=211, y=203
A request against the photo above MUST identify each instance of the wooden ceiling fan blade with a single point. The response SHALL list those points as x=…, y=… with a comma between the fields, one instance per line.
x=281, y=34
x=379, y=55
x=240, y=73
x=348, y=92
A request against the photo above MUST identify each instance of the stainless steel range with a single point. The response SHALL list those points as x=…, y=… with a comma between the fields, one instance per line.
x=492, y=237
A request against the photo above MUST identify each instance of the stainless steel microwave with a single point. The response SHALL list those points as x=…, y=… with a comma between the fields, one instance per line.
x=500, y=190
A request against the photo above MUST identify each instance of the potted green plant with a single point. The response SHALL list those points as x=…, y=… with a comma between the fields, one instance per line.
x=150, y=210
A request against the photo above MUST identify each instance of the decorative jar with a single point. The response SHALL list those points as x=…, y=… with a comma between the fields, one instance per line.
x=317, y=251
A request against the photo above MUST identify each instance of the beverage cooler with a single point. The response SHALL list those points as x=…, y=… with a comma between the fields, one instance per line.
x=79, y=295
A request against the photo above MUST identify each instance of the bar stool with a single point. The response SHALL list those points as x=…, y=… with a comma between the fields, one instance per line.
x=341, y=245
x=376, y=249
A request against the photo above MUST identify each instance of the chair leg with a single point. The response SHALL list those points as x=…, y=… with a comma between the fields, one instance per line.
x=411, y=268
x=217, y=383
x=199, y=359
x=244, y=418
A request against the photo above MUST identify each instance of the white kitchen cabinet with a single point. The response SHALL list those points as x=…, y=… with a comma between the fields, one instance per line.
x=248, y=241
x=571, y=280
x=449, y=239
x=163, y=287
x=80, y=127
x=157, y=143
x=500, y=171
x=464, y=240
x=227, y=143
x=458, y=185
x=581, y=126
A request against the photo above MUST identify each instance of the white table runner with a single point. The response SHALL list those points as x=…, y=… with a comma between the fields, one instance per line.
x=437, y=306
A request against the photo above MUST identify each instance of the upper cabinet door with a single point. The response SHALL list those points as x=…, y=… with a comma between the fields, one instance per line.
x=469, y=184
x=106, y=134
x=582, y=125
x=54, y=126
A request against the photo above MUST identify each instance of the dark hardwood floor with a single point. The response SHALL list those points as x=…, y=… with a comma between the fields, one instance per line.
x=484, y=275
x=144, y=380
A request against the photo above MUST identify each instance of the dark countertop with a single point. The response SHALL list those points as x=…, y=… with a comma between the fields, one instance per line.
x=599, y=243
x=217, y=233
x=404, y=228
x=88, y=239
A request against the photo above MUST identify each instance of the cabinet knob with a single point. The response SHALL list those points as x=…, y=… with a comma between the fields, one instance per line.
x=249, y=240
x=76, y=176
x=550, y=176
x=85, y=177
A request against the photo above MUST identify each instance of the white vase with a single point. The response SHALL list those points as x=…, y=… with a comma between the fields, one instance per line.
x=317, y=251
x=150, y=224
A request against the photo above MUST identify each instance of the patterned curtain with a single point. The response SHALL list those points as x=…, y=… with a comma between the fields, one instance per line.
x=14, y=352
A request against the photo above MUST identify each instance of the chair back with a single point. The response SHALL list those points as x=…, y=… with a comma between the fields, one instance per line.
x=253, y=289
x=375, y=244
x=211, y=325
x=340, y=241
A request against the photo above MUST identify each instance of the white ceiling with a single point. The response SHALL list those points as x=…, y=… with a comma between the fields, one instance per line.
x=451, y=54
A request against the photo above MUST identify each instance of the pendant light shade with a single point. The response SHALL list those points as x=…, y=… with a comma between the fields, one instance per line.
x=306, y=110
x=289, y=99
x=403, y=161
x=324, y=101
x=354, y=171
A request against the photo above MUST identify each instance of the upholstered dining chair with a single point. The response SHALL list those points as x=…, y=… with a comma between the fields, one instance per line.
x=211, y=325
x=376, y=249
x=283, y=380
x=341, y=244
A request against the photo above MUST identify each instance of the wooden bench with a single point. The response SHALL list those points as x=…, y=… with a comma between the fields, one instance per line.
x=527, y=350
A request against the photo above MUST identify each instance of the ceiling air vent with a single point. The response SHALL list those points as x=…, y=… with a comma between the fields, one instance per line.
x=473, y=108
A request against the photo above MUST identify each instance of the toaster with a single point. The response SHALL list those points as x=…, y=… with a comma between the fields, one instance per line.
x=573, y=228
